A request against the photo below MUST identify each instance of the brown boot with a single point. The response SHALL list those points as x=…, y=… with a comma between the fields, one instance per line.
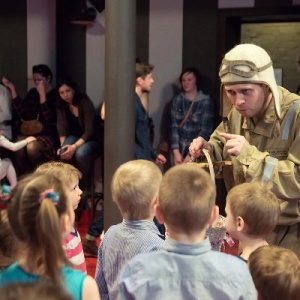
x=90, y=248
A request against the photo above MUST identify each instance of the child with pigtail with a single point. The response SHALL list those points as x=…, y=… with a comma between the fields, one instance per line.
x=40, y=214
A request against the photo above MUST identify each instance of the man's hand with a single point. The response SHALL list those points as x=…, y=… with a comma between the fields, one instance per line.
x=160, y=159
x=197, y=145
x=233, y=143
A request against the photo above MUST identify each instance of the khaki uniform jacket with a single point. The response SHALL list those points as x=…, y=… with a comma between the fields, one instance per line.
x=271, y=153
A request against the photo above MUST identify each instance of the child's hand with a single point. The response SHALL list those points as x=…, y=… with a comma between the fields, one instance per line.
x=30, y=139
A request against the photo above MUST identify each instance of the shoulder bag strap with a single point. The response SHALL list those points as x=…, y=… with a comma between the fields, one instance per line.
x=186, y=115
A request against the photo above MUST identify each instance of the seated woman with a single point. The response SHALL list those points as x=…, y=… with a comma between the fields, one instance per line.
x=192, y=115
x=76, y=124
x=39, y=103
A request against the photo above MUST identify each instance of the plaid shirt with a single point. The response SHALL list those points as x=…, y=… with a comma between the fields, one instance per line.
x=199, y=123
x=121, y=243
x=29, y=108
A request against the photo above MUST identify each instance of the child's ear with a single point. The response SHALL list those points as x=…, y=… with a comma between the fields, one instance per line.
x=154, y=202
x=214, y=215
x=158, y=214
x=240, y=224
x=152, y=205
x=65, y=223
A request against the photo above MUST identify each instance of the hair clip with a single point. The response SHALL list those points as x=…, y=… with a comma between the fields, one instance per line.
x=54, y=196
x=5, y=192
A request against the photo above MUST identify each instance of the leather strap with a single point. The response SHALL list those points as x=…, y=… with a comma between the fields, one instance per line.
x=186, y=115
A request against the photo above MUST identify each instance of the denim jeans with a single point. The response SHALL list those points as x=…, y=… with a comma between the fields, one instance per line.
x=82, y=158
x=96, y=227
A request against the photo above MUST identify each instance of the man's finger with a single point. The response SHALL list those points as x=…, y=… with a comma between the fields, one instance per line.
x=228, y=136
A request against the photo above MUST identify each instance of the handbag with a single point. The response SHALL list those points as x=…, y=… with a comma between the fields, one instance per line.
x=31, y=127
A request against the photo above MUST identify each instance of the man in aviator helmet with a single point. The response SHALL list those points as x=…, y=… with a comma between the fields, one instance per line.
x=260, y=135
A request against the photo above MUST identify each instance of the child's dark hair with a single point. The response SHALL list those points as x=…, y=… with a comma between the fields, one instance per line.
x=35, y=219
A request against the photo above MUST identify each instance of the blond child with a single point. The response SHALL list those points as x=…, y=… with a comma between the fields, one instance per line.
x=186, y=267
x=6, y=167
x=7, y=242
x=33, y=291
x=252, y=211
x=40, y=213
x=134, y=186
x=71, y=176
x=275, y=272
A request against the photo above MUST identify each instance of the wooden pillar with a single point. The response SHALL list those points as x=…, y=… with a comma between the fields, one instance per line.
x=120, y=52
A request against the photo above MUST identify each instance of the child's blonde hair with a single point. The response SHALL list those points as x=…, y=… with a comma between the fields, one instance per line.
x=134, y=186
x=257, y=205
x=186, y=198
x=68, y=173
x=37, y=290
x=35, y=219
x=275, y=272
x=7, y=242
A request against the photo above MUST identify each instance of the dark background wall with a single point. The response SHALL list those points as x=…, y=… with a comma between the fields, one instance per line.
x=70, y=42
x=13, y=45
x=199, y=42
x=142, y=30
x=208, y=32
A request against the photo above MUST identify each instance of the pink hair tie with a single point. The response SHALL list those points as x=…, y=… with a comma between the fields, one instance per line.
x=50, y=194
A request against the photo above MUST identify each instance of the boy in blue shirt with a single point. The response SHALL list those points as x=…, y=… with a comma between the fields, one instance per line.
x=135, y=186
x=186, y=267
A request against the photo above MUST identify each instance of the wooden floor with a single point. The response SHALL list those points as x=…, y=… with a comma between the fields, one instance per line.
x=91, y=262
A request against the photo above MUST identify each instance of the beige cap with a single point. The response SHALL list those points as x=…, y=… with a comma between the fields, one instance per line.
x=248, y=63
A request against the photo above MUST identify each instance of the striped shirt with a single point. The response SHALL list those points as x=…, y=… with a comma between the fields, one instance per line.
x=121, y=243
x=74, y=252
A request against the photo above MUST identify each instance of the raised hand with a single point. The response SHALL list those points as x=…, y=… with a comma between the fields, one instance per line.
x=40, y=87
x=7, y=83
x=233, y=143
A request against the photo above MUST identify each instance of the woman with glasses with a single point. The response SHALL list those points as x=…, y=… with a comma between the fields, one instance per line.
x=39, y=103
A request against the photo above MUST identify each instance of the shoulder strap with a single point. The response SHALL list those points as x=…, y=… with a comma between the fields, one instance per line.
x=186, y=115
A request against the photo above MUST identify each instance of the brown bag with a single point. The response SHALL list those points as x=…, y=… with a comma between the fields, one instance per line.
x=31, y=127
